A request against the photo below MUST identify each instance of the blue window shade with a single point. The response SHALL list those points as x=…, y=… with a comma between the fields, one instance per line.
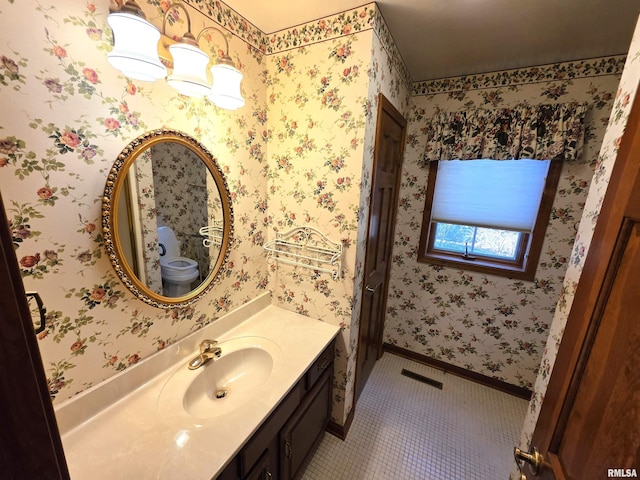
x=500, y=194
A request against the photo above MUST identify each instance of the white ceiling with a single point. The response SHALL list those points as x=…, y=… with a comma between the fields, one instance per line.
x=444, y=38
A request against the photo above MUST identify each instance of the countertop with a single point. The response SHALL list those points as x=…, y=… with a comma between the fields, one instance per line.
x=115, y=431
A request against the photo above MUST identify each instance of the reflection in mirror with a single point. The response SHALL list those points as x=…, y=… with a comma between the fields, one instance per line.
x=167, y=218
x=168, y=189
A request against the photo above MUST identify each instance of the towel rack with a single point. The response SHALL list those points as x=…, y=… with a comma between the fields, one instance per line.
x=306, y=247
x=214, y=233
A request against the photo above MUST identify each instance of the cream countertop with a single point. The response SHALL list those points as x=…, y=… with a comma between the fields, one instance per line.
x=114, y=430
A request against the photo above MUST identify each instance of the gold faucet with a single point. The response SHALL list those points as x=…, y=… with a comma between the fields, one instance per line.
x=208, y=351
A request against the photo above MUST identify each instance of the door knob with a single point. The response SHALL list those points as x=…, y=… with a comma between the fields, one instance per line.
x=533, y=457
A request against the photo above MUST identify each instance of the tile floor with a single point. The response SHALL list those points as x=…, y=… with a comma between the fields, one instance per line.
x=407, y=430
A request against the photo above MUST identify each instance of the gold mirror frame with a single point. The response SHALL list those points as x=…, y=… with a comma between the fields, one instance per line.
x=110, y=200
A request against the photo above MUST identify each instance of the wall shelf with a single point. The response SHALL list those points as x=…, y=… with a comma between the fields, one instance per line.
x=306, y=247
x=213, y=233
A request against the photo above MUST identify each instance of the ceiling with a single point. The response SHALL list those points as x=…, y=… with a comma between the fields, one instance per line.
x=445, y=38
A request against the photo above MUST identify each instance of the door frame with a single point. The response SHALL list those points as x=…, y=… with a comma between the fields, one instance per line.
x=591, y=294
x=384, y=105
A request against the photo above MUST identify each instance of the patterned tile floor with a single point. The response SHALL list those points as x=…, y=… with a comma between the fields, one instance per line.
x=407, y=430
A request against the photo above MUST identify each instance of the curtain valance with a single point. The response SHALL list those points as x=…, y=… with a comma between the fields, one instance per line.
x=549, y=132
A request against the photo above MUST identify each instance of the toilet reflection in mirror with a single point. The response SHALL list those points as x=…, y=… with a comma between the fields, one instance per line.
x=172, y=226
x=168, y=198
x=177, y=272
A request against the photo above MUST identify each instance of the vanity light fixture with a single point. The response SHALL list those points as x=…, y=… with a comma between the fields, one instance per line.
x=135, y=49
x=189, y=75
x=135, y=54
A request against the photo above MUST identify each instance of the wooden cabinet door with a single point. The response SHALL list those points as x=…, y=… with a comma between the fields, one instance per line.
x=231, y=471
x=264, y=469
x=589, y=424
x=304, y=429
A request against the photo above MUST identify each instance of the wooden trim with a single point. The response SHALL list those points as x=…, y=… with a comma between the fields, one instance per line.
x=341, y=431
x=426, y=232
x=460, y=372
x=30, y=444
x=553, y=464
x=524, y=267
x=542, y=221
x=570, y=358
x=385, y=105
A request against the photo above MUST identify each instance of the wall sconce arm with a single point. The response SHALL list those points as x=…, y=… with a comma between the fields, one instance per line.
x=226, y=59
x=129, y=6
x=188, y=37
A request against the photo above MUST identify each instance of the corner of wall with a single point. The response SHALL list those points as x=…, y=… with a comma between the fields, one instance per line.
x=626, y=93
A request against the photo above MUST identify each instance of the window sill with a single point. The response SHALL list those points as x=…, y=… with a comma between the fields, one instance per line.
x=479, y=265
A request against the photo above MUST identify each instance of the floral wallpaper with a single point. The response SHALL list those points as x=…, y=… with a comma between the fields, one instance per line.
x=66, y=115
x=323, y=103
x=492, y=325
x=388, y=78
x=315, y=160
x=299, y=152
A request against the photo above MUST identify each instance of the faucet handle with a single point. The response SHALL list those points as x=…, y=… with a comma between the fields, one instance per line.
x=207, y=345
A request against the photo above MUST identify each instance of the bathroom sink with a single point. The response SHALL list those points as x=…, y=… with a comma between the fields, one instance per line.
x=221, y=385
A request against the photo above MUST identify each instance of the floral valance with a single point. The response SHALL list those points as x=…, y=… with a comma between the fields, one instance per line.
x=545, y=132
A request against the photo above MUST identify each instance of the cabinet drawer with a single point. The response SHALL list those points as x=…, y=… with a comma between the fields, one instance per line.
x=262, y=439
x=320, y=365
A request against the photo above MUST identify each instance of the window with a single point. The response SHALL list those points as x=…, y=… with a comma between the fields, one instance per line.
x=488, y=215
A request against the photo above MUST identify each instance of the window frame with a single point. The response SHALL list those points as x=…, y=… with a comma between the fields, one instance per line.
x=526, y=263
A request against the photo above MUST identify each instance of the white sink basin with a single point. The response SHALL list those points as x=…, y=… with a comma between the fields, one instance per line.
x=221, y=385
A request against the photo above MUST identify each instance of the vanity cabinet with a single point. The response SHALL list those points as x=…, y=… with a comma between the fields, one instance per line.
x=303, y=430
x=263, y=468
x=279, y=448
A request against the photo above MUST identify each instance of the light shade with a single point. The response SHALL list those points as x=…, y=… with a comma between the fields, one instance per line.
x=135, y=50
x=189, y=75
x=225, y=92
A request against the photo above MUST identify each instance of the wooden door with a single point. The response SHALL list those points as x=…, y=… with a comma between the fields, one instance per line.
x=589, y=424
x=30, y=445
x=387, y=163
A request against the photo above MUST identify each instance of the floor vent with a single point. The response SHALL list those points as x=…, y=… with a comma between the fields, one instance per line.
x=421, y=378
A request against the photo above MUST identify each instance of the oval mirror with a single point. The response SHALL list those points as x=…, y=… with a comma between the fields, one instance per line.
x=167, y=218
